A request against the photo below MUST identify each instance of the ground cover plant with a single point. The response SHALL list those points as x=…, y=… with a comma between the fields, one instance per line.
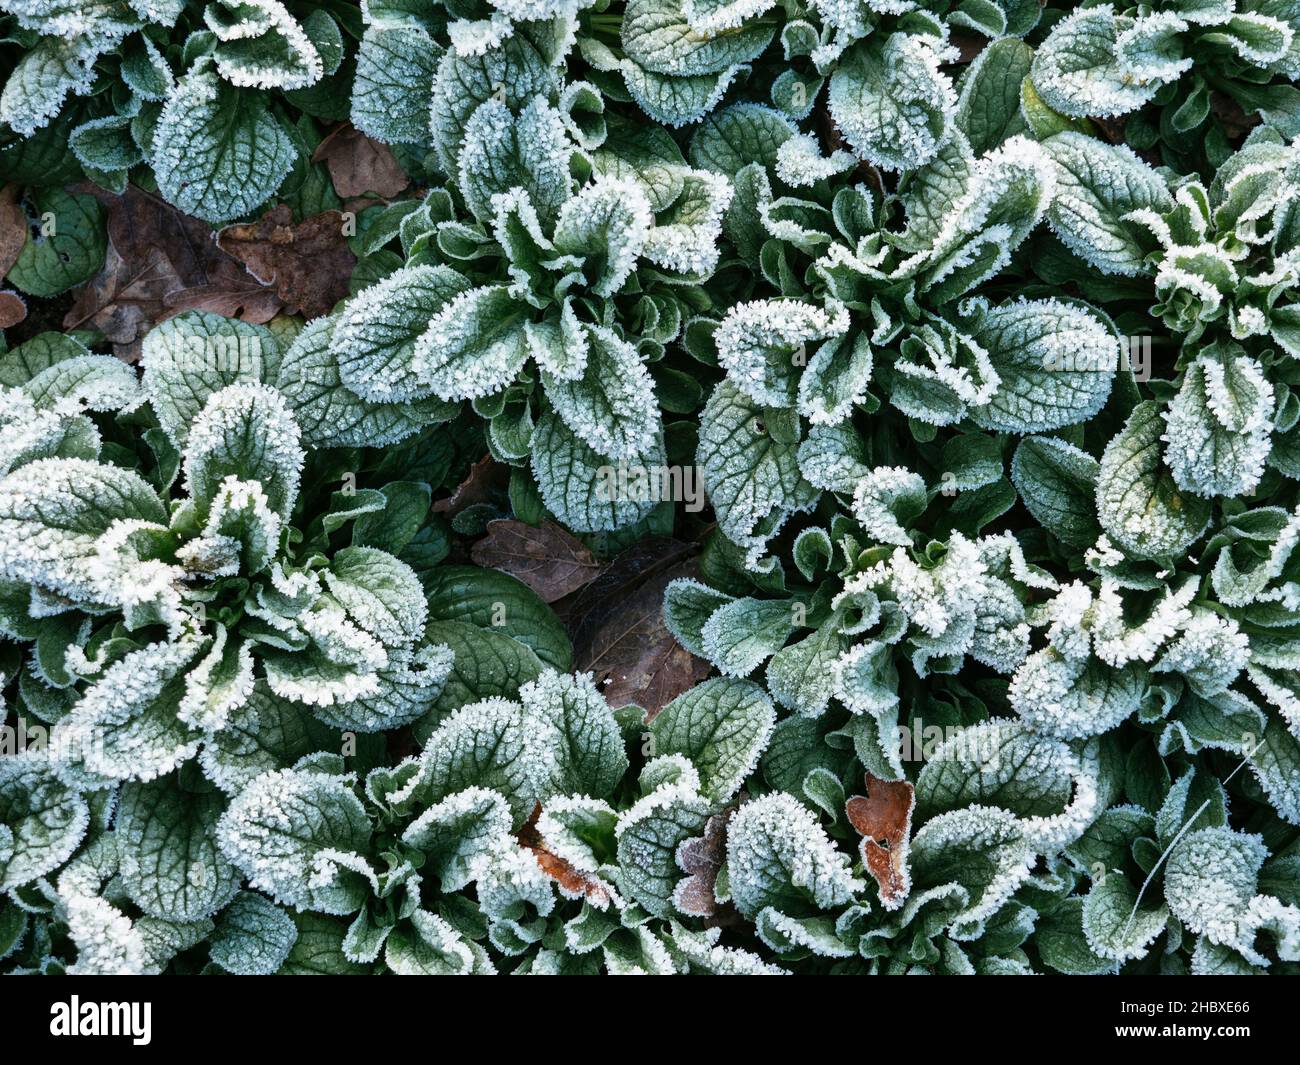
x=665, y=486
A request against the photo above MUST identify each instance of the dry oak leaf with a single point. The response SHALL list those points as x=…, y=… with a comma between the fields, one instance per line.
x=884, y=819
x=618, y=632
x=359, y=165
x=308, y=263
x=550, y=560
x=161, y=262
x=13, y=228
x=572, y=882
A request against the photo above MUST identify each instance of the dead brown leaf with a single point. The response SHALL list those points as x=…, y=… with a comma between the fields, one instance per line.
x=13, y=309
x=161, y=262
x=485, y=479
x=13, y=228
x=573, y=882
x=702, y=858
x=618, y=632
x=360, y=166
x=308, y=263
x=884, y=819
x=550, y=560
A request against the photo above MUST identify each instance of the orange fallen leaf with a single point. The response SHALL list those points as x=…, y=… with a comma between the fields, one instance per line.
x=884, y=819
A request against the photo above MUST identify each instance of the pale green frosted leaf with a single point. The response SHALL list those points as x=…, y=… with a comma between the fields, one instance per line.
x=778, y=855
x=722, y=726
x=218, y=152
x=253, y=936
x=1139, y=503
x=171, y=867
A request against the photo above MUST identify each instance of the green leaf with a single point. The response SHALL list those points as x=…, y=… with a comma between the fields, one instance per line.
x=171, y=867
x=65, y=246
x=218, y=152
x=722, y=726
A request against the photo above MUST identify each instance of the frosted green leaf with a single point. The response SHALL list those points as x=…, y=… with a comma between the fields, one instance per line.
x=722, y=726
x=649, y=834
x=796, y=936
x=833, y=458
x=245, y=431
x=298, y=836
x=264, y=732
x=41, y=81
x=740, y=635
x=1139, y=503
x=892, y=103
x=1074, y=699
x=407, y=690
x=53, y=515
x=127, y=725
x=427, y=945
x=751, y=477
x=514, y=71
x=375, y=338
x=612, y=407
x=171, y=867
x=218, y=152
x=886, y=501
x=1077, y=72
x=502, y=152
x=589, y=492
x=1055, y=362
x=606, y=224
x=778, y=855
x=190, y=357
x=381, y=593
x=988, y=108
x=42, y=820
x=658, y=37
x=1057, y=484
x=396, y=64
x=1115, y=925
x=1062, y=944
x=688, y=605
x=1099, y=184
x=260, y=45
x=455, y=833
x=801, y=676
x=474, y=345
x=332, y=415
x=1218, y=426
x=678, y=101
x=735, y=136
x=573, y=736
x=1002, y=764
x=763, y=346
x=253, y=936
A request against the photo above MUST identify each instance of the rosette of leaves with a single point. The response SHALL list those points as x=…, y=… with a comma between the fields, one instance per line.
x=1175, y=890
x=887, y=95
x=849, y=646
x=181, y=91
x=167, y=621
x=877, y=298
x=542, y=287
x=1105, y=61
